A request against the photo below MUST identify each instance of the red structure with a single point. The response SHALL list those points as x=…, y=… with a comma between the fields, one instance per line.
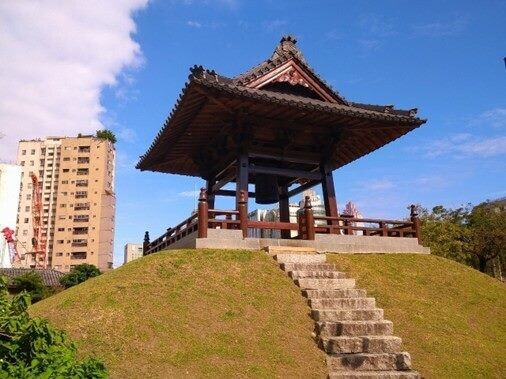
x=39, y=231
x=280, y=127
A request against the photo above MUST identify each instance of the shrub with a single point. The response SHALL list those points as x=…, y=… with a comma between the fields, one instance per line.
x=79, y=274
x=32, y=283
x=106, y=134
x=32, y=348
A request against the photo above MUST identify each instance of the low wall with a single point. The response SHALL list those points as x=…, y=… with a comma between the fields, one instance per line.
x=232, y=239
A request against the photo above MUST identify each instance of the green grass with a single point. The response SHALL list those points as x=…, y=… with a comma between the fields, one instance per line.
x=452, y=318
x=191, y=313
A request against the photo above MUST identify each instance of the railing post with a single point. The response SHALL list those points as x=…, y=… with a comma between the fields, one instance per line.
x=300, y=222
x=243, y=213
x=309, y=218
x=203, y=214
x=383, y=227
x=416, y=223
x=145, y=244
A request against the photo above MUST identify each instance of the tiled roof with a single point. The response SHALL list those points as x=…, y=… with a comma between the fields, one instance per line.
x=50, y=277
x=199, y=112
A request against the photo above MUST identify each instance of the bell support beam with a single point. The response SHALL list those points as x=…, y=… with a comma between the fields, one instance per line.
x=254, y=169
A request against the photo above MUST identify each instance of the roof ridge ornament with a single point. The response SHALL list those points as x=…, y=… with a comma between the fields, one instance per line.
x=287, y=46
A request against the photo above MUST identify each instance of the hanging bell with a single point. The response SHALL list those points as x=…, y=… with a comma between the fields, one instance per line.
x=266, y=189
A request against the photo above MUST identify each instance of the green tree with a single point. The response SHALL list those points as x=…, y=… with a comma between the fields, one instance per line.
x=32, y=283
x=106, y=134
x=470, y=235
x=487, y=234
x=79, y=274
x=32, y=348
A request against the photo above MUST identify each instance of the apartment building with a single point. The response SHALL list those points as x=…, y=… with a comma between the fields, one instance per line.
x=132, y=251
x=76, y=181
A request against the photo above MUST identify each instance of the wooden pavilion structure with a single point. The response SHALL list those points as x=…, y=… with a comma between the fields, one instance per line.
x=278, y=126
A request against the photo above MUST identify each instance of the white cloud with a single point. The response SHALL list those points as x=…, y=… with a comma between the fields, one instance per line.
x=441, y=29
x=193, y=194
x=272, y=25
x=495, y=118
x=376, y=25
x=378, y=185
x=194, y=24
x=55, y=58
x=467, y=145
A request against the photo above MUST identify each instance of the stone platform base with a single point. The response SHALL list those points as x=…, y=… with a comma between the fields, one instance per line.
x=232, y=239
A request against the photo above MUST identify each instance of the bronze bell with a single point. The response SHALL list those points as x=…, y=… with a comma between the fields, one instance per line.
x=266, y=189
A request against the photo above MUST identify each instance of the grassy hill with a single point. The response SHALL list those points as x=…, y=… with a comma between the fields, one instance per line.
x=452, y=319
x=203, y=313
x=193, y=313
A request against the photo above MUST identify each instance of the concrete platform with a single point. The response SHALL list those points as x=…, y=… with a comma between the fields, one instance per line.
x=324, y=243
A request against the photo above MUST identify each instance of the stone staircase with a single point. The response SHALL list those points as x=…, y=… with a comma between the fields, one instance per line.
x=348, y=325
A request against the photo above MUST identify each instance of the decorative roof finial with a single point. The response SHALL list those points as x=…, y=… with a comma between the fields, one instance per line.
x=287, y=46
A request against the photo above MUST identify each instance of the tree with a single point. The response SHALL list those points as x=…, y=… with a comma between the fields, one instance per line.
x=32, y=348
x=470, y=235
x=32, y=283
x=487, y=234
x=106, y=134
x=79, y=274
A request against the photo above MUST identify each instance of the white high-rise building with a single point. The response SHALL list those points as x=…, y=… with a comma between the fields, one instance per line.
x=10, y=179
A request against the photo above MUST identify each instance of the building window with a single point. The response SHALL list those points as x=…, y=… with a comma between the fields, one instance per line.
x=60, y=241
x=28, y=197
x=27, y=208
x=59, y=254
x=65, y=170
x=32, y=152
x=31, y=163
x=23, y=152
x=66, y=159
x=64, y=182
x=25, y=232
x=61, y=229
x=26, y=221
x=22, y=163
x=63, y=205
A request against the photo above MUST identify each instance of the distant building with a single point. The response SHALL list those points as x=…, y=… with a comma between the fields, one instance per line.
x=10, y=179
x=75, y=177
x=273, y=215
x=132, y=251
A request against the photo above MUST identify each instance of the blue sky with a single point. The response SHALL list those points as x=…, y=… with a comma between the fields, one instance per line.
x=444, y=57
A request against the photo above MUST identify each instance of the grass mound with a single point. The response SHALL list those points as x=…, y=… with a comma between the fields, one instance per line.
x=193, y=313
x=452, y=318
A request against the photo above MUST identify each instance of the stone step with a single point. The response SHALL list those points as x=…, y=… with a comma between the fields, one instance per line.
x=332, y=294
x=325, y=284
x=355, y=328
x=362, y=344
x=300, y=258
x=307, y=266
x=374, y=375
x=343, y=303
x=347, y=315
x=316, y=274
x=369, y=362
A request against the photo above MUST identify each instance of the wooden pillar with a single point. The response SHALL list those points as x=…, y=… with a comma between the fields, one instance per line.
x=203, y=214
x=243, y=213
x=284, y=209
x=241, y=192
x=242, y=178
x=210, y=194
x=309, y=219
x=416, y=223
x=329, y=195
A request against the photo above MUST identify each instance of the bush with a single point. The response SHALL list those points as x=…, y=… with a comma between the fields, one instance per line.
x=106, y=134
x=32, y=348
x=32, y=283
x=79, y=274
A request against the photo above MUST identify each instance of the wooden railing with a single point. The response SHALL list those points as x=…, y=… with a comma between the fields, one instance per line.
x=307, y=225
